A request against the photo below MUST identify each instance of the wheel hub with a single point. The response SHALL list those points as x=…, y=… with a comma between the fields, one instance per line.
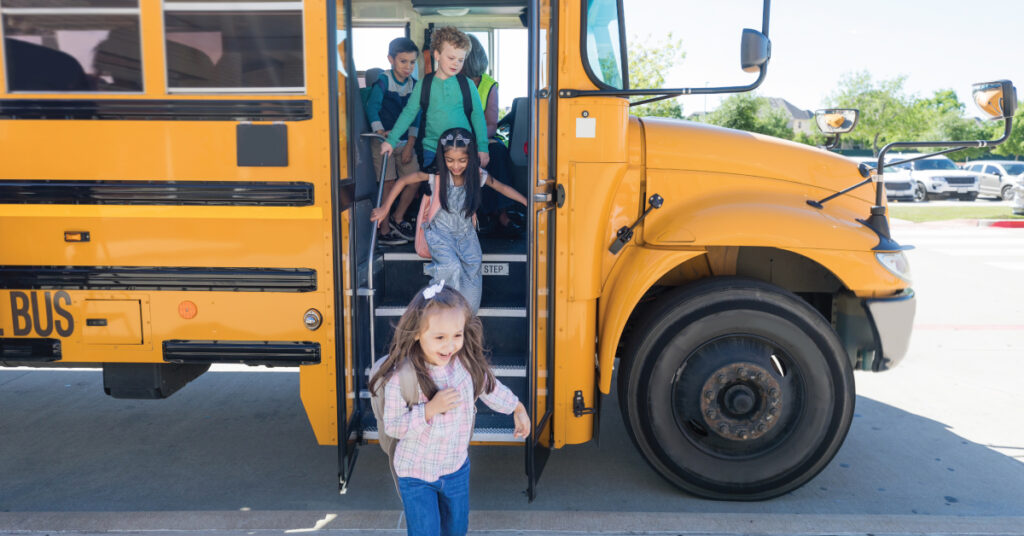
x=741, y=401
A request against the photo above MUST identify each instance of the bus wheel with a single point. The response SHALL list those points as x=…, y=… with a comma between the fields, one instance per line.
x=736, y=389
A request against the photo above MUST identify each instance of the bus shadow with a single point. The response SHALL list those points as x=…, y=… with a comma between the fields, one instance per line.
x=236, y=441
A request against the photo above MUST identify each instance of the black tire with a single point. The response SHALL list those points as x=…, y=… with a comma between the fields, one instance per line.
x=920, y=192
x=710, y=347
x=1007, y=193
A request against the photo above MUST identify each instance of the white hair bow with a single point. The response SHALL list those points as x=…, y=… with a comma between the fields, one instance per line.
x=432, y=290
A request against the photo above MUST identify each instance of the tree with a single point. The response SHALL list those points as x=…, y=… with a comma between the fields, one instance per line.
x=1014, y=146
x=647, y=65
x=886, y=113
x=749, y=112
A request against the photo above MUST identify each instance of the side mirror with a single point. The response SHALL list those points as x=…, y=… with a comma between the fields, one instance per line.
x=997, y=99
x=755, y=50
x=836, y=120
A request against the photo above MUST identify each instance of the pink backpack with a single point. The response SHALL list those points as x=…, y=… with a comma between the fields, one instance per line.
x=428, y=209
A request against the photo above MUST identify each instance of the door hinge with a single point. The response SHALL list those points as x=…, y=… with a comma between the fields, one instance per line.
x=579, y=409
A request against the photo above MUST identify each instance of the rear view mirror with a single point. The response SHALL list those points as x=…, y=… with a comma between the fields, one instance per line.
x=755, y=50
x=836, y=120
x=997, y=99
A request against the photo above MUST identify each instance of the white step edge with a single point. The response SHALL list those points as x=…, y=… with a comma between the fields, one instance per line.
x=505, y=312
x=482, y=436
x=487, y=257
x=501, y=372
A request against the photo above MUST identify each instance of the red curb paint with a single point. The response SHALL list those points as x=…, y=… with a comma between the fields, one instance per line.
x=1008, y=223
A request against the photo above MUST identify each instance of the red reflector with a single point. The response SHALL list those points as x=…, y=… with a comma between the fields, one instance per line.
x=526, y=147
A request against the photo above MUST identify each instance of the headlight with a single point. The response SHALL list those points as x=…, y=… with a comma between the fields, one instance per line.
x=897, y=264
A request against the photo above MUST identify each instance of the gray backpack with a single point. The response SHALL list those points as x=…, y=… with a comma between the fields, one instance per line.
x=410, y=393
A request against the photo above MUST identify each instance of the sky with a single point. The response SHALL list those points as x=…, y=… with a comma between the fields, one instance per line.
x=936, y=44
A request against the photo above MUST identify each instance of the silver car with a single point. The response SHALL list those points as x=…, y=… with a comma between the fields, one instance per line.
x=998, y=177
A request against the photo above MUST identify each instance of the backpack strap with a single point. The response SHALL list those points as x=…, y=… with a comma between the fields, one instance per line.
x=425, y=84
x=467, y=102
x=408, y=383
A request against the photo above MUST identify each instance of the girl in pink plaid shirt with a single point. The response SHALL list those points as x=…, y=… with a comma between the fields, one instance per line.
x=442, y=340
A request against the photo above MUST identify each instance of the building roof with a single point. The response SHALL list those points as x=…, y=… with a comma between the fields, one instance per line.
x=790, y=109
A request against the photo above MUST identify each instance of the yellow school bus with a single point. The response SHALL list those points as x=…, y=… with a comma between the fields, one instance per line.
x=186, y=183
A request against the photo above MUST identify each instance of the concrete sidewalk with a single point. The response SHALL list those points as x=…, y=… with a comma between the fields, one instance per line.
x=501, y=522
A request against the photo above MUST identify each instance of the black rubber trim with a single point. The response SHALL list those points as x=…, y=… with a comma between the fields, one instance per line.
x=158, y=278
x=280, y=353
x=34, y=350
x=157, y=109
x=263, y=194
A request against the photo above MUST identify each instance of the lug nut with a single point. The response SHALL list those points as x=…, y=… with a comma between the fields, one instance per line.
x=709, y=395
x=721, y=378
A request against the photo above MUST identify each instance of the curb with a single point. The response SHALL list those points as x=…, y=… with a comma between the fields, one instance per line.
x=1010, y=224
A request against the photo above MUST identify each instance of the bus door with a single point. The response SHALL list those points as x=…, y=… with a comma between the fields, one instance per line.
x=539, y=152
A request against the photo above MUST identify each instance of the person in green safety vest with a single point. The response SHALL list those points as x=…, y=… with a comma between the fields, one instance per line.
x=494, y=216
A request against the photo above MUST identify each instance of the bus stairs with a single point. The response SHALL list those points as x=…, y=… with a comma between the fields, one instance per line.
x=502, y=313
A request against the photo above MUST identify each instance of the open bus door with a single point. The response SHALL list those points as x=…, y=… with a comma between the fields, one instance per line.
x=343, y=159
x=543, y=39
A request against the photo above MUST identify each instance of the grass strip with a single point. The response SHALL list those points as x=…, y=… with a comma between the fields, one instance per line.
x=922, y=213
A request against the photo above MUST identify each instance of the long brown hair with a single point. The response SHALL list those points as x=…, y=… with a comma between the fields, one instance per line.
x=404, y=343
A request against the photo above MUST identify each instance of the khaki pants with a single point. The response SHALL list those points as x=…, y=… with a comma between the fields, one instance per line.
x=396, y=168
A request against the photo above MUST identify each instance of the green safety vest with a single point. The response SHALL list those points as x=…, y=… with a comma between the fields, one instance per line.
x=486, y=83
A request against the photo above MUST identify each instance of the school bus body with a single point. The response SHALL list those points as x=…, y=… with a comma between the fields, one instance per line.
x=177, y=281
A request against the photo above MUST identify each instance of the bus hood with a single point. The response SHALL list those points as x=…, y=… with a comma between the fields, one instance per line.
x=685, y=145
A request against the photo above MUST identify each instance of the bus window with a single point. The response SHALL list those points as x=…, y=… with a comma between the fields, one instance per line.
x=72, y=45
x=238, y=47
x=604, y=48
x=370, y=46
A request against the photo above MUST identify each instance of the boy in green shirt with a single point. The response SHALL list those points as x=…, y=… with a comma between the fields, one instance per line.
x=446, y=106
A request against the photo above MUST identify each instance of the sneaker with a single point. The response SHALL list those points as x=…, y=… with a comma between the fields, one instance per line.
x=391, y=239
x=403, y=228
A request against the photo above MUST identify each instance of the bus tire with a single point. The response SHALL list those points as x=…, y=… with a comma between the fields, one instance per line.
x=735, y=389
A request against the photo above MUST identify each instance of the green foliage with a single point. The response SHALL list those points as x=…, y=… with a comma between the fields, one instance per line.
x=647, y=65
x=749, y=112
x=887, y=114
x=1013, y=147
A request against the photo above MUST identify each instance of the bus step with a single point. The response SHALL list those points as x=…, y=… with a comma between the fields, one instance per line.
x=505, y=328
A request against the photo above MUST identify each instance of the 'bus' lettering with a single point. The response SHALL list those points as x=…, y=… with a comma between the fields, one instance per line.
x=63, y=329
x=19, y=313
x=36, y=317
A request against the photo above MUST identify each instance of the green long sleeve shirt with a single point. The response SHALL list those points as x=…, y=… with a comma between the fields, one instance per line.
x=445, y=112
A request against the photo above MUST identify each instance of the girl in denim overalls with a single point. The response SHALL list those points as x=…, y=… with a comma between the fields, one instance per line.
x=451, y=234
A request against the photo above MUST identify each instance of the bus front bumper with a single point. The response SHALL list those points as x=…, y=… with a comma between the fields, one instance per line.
x=892, y=320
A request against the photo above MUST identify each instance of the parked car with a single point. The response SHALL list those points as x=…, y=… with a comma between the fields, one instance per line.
x=937, y=176
x=998, y=177
x=898, y=186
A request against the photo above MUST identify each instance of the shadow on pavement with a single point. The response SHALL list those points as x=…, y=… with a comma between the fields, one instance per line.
x=240, y=440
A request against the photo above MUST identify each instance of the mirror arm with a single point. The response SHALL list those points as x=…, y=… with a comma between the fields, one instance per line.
x=832, y=143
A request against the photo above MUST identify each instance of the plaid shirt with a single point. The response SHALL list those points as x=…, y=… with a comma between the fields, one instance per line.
x=428, y=451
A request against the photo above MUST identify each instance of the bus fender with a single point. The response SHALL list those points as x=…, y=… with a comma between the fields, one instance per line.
x=634, y=273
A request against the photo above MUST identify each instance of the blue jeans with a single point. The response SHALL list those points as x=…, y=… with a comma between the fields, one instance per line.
x=437, y=508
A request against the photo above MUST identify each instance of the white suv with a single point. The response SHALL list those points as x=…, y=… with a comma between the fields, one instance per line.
x=938, y=176
x=998, y=177
x=898, y=186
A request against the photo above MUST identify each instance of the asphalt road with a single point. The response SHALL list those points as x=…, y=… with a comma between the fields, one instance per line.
x=936, y=445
